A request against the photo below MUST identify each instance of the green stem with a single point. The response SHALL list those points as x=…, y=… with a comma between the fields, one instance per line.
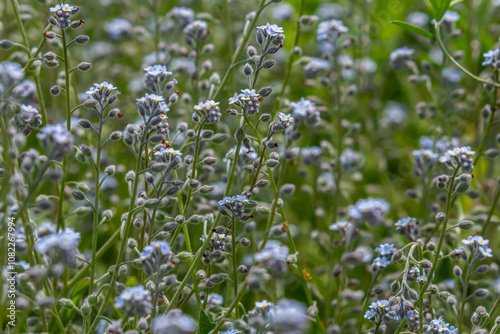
x=464, y=301
x=235, y=302
x=291, y=57
x=239, y=51
x=366, y=300
x=492, y=311
x=457, y=64
x=449, y=200
x=60, y=213
x=235, y=265
x=123, y=243
x=492, y=210
x=96, y=208
x=275, y=204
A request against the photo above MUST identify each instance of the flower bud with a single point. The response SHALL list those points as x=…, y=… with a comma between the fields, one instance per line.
x=55, y=90
x=268, y=64
x=110, y=170
x=78, y=195
x=84, y=66
x=67, y=303
x=263, y=183
x=5, y=44
x=266, y=91
x=287, y=189
x=81, y=39
x=130, y=176
x=440, y=217
x=481, y=293
x=239, y=135
x=483, y=268
x=465, y=224
x=247, y=69
x=50, y=55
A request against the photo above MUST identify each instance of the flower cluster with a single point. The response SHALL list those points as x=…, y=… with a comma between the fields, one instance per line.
x=385, y=252
x=400, y=57
x=157, y=257
x=153, y=108
x=27, y=119
x=459, y=157
x=10, y=74
x=491, y=58
x=195, y=33
x=370, y=210
x=134, y=301
x=478, y=247
x=59, y=247
x=63, y=13
x=56, y=140
x=378, y=311
x=273, y=256
x=350, y=160
x=169, y=156
x=209, y=110
x=155, y=78
x=235, y=206
x=440, y=326
x=305, y=111
x=101, y=92
x=270, y=33
x=328, y=33
x=248, y=100
x=425, y=159
x=174, y=322
x=408, y=226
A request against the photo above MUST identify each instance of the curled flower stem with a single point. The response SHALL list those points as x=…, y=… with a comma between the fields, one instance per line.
x=454, y=61
x=486, y=137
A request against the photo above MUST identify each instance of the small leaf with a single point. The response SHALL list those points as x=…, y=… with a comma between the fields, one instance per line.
x=414, y=29
x=455, y=2
x=205, y=324
x=443, y=7
x=434, y=4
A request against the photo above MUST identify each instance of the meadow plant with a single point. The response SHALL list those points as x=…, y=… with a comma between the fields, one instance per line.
x=249, y=167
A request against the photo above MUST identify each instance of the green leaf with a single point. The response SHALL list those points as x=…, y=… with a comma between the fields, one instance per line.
x=434, y=4
x=205, y=324
x=455, y=2
x=443, y=7
x=414, y=29
x=79, y=290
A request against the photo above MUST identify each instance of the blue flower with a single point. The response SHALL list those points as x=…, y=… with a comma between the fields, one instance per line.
x=385, y=249
x=381, y=262
x=491, y=57
x=134, y=301
x=401, y=56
